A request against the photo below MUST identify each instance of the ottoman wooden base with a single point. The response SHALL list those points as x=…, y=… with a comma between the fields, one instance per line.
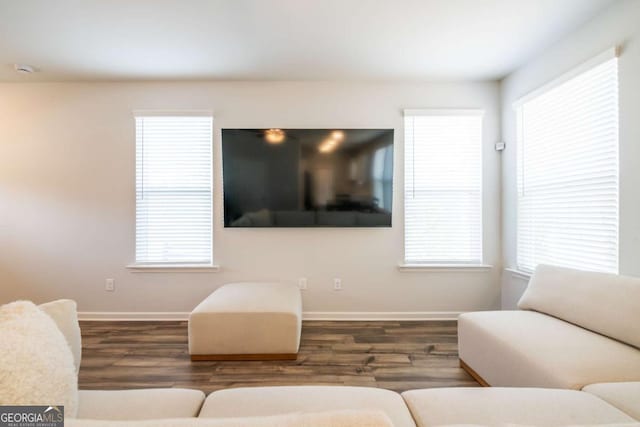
x=248, y=357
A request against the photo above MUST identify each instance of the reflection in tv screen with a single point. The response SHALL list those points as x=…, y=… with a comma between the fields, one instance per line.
x=307, y=177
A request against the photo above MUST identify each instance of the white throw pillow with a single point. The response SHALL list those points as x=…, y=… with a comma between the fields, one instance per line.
x=36, y=364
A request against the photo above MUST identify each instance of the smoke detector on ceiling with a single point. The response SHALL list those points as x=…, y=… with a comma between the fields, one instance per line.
x=24, y=69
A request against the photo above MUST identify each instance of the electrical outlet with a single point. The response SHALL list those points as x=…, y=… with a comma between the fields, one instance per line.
x=337, y=284
x=110, y=285
x=302, y=283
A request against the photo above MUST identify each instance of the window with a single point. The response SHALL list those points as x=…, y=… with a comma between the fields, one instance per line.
x=568, y=171
x=173, y=190
x=443, y=187
x=382, y=171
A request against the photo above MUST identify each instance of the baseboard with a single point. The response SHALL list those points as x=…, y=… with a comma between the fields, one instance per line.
x=380, y=315
x=132, y=316
x=309, y=315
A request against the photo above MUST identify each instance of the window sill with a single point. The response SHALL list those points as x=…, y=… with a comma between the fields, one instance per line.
x=445, y=267
x=519, y=274
x=173, y=268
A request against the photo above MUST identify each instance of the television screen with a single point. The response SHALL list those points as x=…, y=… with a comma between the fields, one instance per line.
x=307, y=177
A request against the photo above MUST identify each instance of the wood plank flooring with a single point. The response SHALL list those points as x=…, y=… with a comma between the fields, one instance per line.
x=393, y=355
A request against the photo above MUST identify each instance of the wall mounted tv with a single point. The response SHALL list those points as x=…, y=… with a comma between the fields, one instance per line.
x=307, y=177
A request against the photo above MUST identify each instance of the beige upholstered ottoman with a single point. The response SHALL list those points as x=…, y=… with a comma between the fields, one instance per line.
x=247, y=321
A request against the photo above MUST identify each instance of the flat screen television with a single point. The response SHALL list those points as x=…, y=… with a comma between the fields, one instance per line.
x=307, y=177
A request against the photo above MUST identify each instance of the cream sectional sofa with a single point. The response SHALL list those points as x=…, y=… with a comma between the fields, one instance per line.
x=335, y=406
x=574, y=328
x=363, y=406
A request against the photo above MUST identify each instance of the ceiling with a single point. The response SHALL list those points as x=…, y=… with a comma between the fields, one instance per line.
x=348, y=40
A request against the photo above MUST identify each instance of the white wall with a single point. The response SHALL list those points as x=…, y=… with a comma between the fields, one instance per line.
x=618, y=25
x=67, y=198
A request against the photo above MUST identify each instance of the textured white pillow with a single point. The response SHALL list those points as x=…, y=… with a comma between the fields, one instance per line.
x=36, y=364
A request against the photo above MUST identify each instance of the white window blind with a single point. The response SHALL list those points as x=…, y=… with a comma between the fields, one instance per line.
x=173, y=190
x=568, y=173
x=443, y=187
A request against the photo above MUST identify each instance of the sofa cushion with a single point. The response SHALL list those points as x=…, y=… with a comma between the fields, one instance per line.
x=264, y=401
x=530, y=349
x=65, y=313
x=140, y=404
x=323, y=419
x=624, y=396
x=587, y=299
x=36, y=364
x=493, y=406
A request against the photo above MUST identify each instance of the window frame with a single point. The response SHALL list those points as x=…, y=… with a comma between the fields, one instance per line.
x=410, y=265
x=174, y=267
x=518, y=111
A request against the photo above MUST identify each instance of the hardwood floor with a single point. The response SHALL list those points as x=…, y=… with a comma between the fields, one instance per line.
x=393, y=355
